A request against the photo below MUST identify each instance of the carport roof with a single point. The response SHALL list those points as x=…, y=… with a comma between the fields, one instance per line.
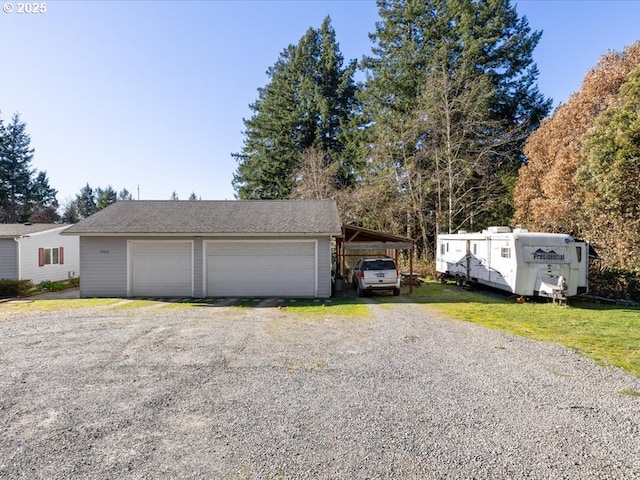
x=220, y=217
x=358, y=238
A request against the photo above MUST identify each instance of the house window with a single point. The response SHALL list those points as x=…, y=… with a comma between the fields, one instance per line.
x=475, y=249
x=442, y=249
x=50, y=256
x=505, y=252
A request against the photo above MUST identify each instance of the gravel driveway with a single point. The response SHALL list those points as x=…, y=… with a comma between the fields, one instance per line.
x=113, y=392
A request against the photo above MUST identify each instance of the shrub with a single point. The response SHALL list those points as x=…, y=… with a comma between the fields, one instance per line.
x=423, y=268
x=49, y=286
x=614, y=283
x=15, y=288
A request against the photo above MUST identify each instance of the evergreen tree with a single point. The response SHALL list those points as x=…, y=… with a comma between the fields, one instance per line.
x=70, y=213
x=43, y=205
x=105, y=197
x=308, y=100
x=89, y=200
x=25, y=194
x=86, y=202
x=450, y=98
x=124, y=194
x=15, y=171
x=15, y=156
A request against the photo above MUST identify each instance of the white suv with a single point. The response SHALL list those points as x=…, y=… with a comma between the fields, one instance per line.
x=373, y=274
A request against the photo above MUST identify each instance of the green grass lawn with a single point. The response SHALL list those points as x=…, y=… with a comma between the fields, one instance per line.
x=332, y=306
x=608, y=334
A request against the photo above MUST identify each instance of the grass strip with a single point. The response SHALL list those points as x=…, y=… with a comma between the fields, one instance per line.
x=608, y=334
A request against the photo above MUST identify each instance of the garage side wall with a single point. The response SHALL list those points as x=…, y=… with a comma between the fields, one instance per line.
x=103, y=267
x=324, y=267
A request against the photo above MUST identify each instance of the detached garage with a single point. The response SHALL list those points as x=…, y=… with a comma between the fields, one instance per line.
x=259, y=248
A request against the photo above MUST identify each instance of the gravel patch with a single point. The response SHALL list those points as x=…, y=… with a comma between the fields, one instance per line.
x=260, y=393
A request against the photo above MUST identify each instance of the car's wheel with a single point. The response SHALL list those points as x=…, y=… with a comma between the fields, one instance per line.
x=396, y=292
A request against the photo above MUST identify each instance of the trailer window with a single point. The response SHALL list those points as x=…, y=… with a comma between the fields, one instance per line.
x=505, y=252
x=579, y=253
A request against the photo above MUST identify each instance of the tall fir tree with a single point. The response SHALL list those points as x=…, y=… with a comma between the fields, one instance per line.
x=90, y=200
x=307, y=102
x=429, y=133
x=24, y=192
x=42, y=200
x=86, y=202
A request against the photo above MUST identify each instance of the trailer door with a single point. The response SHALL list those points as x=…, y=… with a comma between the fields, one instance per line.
x=582, y=254
x=479, y=263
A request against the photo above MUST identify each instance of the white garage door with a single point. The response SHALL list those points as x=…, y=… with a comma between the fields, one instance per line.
x=261, y=269
x=162, y=269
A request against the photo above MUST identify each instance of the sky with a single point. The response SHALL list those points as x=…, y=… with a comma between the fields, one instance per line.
x=151, y=95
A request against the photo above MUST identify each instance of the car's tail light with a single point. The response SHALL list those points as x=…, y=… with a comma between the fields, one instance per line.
x=361, y=273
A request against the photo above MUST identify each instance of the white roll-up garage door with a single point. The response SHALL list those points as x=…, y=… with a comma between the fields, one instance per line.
x=261, y=269
x=161, y=268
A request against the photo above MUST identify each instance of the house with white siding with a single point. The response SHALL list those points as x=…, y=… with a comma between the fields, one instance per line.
x=38, y=252
x=220, y=248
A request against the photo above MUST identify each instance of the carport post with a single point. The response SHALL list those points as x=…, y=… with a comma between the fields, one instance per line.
x=411, y=270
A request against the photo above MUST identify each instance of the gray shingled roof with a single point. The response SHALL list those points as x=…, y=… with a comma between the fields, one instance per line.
x=213, y=217
x=20, y=229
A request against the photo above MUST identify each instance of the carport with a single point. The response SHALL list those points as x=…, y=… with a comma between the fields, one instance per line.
x=359, y=242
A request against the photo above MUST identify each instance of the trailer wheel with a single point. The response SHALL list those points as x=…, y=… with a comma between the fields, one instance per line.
x=461, y=280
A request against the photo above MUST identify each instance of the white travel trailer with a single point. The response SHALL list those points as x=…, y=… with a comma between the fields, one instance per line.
x=524, y=263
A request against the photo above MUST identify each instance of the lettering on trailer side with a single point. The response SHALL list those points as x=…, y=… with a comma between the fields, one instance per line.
x=551, y=254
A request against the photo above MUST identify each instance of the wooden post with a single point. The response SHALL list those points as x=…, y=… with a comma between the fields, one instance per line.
x=411, y=270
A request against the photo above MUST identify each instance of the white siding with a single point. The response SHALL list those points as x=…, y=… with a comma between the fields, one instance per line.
x=29, y=268
x=8, y=259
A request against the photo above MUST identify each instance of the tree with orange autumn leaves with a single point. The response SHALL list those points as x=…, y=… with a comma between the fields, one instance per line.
x=583, y=164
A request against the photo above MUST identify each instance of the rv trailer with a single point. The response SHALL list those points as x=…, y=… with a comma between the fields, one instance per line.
x=524, y=263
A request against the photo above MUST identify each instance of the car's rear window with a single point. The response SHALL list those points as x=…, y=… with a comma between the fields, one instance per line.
x=381, y=264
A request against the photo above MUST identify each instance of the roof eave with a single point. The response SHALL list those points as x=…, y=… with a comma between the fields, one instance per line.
x=202, y=234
